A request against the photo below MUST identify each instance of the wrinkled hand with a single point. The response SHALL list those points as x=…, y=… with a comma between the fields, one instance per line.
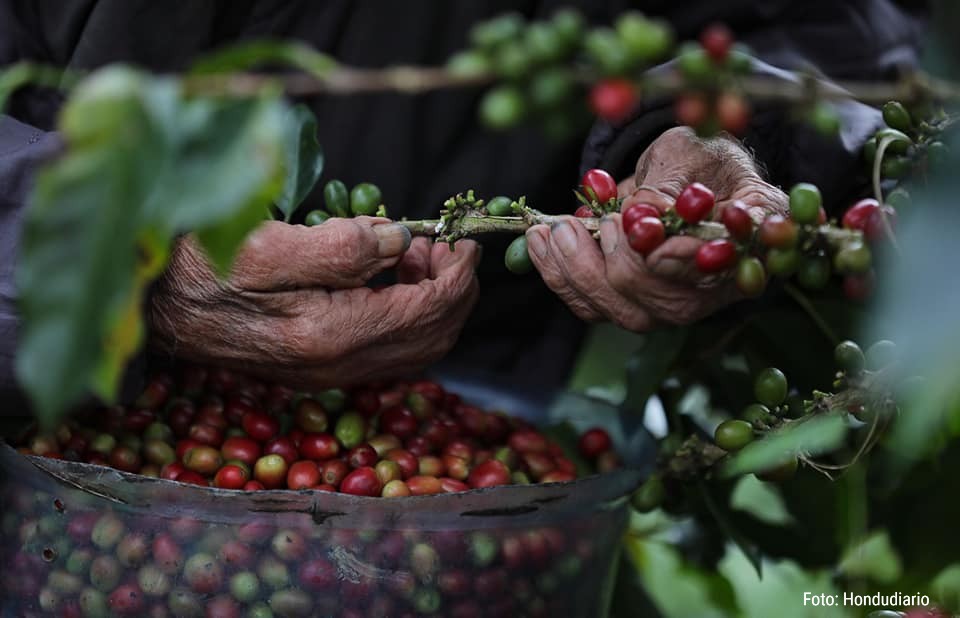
x=292, y=308
x=613, y=282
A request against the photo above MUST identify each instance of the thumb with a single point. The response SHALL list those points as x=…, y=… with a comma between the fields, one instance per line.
x=340, y=253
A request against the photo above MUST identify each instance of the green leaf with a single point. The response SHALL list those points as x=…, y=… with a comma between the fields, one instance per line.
x=946, y=587
x=304, y=159
x=650, y=364
x=225, y=169
x=812, y=435
x=761, y=500
x=142, y=163
x=252, y=54
x=677, y=588
x=781, y=591
x=874, y=557
x=78, y=256
x=748, y=548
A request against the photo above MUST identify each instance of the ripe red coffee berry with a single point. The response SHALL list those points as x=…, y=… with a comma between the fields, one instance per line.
x=422, y=485
x=634, y=212
x=260, y=426
x=737, y=221
x=856, y=216
x=362, y=482
x=691, y=110
x=362, y=456
x=283, y=446
x=733, y=112
x=230, y=477
x=716, y=256
x=778, y=232
x=452, y=486
x=583, y=212
x=333, y=472
x=594, y=441
x=489, y=474
x=880, y=224
x=241, y=449
x=694, y=203
x=646, y=235
x=717, y=40
x=319, y=446
x=602, y=184
x=613, y=99
x=399, y=421
x=528, y=441
x=303, y=474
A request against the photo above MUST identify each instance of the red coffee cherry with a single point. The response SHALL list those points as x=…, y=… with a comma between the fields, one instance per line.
x=737, y=221
x=594, y=441
x=613, y=99
x=694, y=203
x=716, y=255
x=602, y=184
x=646, y=235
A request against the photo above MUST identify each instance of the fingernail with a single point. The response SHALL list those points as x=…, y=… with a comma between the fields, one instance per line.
x=393, y=239
x=608, y=235
x=536, y=244
x=565, y=237
x=668, y=267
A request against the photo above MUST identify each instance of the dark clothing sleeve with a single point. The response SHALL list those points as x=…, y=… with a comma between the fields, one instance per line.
x=22, y=149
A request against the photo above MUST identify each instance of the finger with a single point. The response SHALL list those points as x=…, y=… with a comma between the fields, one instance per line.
x=465, y=254
x=584, y=267
x=415, y=264
x=341, y=253
x=676, y=259
x=546, y=263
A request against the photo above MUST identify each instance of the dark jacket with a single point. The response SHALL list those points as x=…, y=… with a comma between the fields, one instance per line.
x=421, y=149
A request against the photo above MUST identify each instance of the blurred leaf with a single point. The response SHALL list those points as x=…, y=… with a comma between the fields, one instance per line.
x=143, y=163
x=566, y=437
x=649, y=365
x=874, y=557
x=251, y=54
x=78, y=250
x=677, y=588
x=599, y=370
x=304, y=159
x=781, y=591
x=813, y=435
x=746, y=546
x=946, y=587
x=762, y=500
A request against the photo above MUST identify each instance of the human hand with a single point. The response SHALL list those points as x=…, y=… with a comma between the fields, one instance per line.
x=613, y=282
x=292, y=308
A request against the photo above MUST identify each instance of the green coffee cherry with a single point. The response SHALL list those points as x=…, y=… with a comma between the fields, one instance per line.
x=824, y=118
x=517, y=258
x=896, y=116
x=649, y=495
x=500, y=206
x=694, y=62
x=551, y=87
x=337, y=198
x=783, y=262
x=365, y=198
x=494, y=32
x=607, y=50
x=502, y=107
x=814, y=272
x=645, y=39
x=849, y=357
x=316, y=217
x=853, y=259
x=805, y=202
x=881, y=354
x=732, y=435
x=770, y=387
x=469, y=64
x=350, y=429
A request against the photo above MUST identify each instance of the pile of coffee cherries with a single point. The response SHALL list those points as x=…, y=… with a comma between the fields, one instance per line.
x=71, y=553
x=219, y=428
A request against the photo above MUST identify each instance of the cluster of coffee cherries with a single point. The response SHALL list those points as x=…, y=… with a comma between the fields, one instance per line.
x=365, y=199
x=219, y=428
x=774, y=403
x=913, y=144
x=788, y=245
x=538, y=63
